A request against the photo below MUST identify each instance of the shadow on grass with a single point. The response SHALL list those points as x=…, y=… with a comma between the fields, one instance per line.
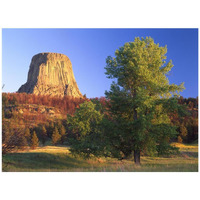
x=36, y=161
x=45, y=162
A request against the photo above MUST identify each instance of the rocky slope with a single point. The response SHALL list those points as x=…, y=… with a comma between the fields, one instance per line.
x=51, y=74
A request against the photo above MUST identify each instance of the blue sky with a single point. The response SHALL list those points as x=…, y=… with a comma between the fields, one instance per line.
x=88, y=49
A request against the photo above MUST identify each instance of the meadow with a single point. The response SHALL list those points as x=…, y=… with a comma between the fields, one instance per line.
x=59, y=159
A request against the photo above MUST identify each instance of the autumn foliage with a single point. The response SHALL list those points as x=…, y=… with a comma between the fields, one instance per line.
x=66, y=104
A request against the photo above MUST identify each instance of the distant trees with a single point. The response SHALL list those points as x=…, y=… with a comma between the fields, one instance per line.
x=66, y=104
x=42, y=133
x=12, y=138
x=187, y=126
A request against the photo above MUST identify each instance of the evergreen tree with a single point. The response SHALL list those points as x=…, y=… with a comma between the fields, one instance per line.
x=43, y=134
x=50, y=129
x=34, y=140
x=27, y=135
x=23, y=142
x=141, y=98
x=62, y=133
x=56, y=136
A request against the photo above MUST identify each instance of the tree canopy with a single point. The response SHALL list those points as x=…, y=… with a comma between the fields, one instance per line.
x=85, y=125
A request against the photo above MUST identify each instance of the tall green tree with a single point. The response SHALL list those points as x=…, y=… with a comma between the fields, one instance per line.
x=141, y=97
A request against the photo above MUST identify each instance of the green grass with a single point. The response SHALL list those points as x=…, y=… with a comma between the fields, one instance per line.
x=51, y=158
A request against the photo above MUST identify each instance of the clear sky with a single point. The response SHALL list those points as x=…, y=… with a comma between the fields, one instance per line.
x=88, y=49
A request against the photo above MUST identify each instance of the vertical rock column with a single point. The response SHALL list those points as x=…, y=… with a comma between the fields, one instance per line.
x=51, y=74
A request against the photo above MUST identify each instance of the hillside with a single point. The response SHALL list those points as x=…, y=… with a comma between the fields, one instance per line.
x=32, y=114
x=34, y=109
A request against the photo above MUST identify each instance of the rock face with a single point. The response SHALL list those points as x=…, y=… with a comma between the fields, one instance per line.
x=51, y=74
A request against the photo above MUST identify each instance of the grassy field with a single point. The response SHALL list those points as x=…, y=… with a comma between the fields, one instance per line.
x=59, y=159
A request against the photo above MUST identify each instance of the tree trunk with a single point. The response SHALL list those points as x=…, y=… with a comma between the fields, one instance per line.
x=137, y=157
x=136, y=152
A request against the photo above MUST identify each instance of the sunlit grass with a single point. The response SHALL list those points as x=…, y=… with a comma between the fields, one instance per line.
x=59, y=158
x=49, y=149
x=185, y=146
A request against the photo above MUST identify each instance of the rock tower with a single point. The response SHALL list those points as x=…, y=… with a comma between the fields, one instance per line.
x=51, y=74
